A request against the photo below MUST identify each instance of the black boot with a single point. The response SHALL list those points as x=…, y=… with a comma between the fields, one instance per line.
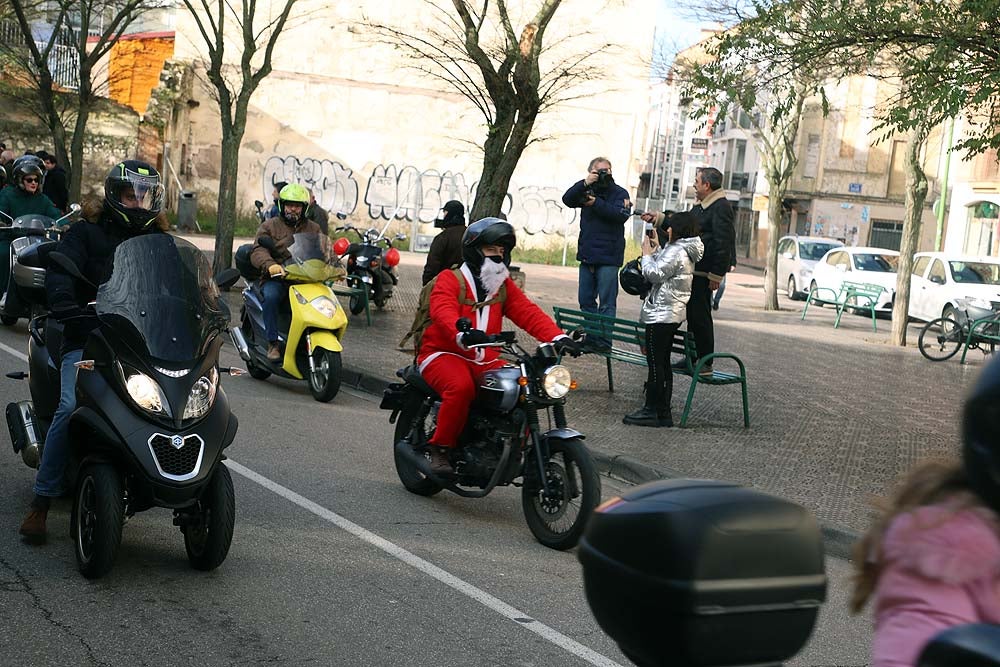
x=644, y=416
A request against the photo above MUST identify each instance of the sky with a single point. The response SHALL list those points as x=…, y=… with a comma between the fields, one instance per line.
x=676, y=25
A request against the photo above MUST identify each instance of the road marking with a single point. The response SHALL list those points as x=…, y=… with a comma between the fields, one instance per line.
x=414, y=561
x=428, y=568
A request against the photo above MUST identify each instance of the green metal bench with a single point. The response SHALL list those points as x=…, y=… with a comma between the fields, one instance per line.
x=984, y=330
x=850, y=295
x=633, y=334
x=351, y=292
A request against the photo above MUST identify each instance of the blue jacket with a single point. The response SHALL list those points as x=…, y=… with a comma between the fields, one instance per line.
x=602, y=225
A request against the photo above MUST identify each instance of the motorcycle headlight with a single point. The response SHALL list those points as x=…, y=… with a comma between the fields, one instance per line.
x=325, y=306
x=202, y=395
x=146, y=393
x=556, y=381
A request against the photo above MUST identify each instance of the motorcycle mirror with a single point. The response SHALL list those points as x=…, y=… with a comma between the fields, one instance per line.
x=259, y=204
x=341, y=215
x=401, y=237
x=74, y=207
x=7, y=216
x=227, y=278
x=975, y=644
x=69, y=266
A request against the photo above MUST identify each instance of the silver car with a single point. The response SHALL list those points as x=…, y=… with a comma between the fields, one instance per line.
x=797, y=255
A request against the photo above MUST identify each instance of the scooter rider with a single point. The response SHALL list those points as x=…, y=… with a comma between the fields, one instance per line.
x=446, y=360
x=133, y=199
x=292, y=202
x=23, y=195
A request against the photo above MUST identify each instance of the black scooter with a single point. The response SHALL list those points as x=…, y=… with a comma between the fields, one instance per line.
x=371, y=265
x=151, y=421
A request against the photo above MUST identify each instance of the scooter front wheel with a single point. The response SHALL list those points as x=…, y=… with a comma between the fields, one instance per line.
x=558, y=515
x=208, y=536
x=324, y=379
x=98, y=514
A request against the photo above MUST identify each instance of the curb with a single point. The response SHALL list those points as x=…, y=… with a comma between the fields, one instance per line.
x=838, y=541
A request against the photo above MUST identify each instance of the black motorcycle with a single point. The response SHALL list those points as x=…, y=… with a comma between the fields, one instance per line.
x=21, y=282
x=151, y=421
x=504, y=442
x=371, y=265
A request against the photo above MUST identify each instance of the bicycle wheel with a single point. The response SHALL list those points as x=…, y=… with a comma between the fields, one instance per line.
x=940, y=339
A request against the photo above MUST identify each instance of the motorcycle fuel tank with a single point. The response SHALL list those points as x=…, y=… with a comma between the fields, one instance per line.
x=498, y=389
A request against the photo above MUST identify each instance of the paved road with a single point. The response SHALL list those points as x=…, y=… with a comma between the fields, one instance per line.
x=333, y=563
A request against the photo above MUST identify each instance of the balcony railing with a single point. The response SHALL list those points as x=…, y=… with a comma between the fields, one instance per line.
x=63, y=60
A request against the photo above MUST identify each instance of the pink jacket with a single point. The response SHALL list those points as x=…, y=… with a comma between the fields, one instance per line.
x=940, y=568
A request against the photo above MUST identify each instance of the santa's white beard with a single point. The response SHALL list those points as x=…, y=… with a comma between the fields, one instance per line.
x=492, y=276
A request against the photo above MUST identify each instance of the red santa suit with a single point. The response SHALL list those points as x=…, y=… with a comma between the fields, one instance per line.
x=453, y=370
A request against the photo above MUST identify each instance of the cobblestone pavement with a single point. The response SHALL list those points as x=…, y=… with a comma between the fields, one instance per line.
x=836, y=414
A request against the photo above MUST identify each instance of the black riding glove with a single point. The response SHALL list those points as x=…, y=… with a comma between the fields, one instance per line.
x=474, y=337
x=568, y=346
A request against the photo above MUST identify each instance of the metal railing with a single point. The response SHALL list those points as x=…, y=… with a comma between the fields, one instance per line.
x=63, y=60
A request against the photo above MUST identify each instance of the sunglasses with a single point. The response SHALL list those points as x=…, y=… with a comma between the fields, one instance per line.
x=30, y=180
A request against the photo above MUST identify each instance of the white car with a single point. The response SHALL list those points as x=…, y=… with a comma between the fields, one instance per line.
x=876, y=266
x=947, y=285
x=797, y=255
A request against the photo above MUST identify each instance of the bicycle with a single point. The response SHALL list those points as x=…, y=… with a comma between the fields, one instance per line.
x=940, y=339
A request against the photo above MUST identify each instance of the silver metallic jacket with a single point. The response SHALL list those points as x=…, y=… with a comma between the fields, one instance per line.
x=670, y=270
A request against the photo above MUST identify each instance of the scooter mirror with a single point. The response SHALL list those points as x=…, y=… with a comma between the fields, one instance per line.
x=259, y=204
x=974, y=645
x=227, y=278
x=341, y=215
x=74, y=207
x=69, y=266
x=401, y=237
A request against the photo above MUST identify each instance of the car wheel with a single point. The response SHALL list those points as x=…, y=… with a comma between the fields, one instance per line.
x=949, y=313
x=812, y=288
x=793, y=294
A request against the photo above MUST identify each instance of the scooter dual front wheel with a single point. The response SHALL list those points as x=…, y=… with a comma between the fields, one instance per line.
x=557, y=511
x=209, y=531
x=98, y=515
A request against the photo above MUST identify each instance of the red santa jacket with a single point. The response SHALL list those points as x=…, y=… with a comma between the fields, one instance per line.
x=441, y=337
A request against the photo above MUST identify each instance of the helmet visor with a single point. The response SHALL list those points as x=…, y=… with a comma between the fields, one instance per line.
x=141, y=191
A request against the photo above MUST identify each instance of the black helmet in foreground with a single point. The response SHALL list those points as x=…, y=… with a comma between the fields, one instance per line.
x=488, y=231
x=632, y=280
x=981, y=436
x=133, y=194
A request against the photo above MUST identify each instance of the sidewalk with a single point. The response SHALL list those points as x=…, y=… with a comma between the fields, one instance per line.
x=836, y=415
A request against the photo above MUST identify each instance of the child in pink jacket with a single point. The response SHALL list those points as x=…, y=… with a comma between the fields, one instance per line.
x=932, y=561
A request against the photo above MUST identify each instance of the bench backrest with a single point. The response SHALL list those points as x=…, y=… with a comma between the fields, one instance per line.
x=622, y=331
x=861, y=289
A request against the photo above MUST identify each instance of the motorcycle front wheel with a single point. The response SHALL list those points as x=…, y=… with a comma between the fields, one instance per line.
x=324, y=381
x=208, y=536
x=412, y=479
x=96, y=523
x=557, y=518
x=357, y=302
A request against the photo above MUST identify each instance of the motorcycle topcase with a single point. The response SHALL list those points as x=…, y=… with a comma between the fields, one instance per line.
x=702, y=572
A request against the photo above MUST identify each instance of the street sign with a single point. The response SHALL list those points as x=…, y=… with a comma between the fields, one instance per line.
x=699, y=144
x=759, y=203
x=854, y=188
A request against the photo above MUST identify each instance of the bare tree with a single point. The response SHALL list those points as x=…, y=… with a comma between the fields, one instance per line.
x=478, y=52
x=66, y=113
x=234, y=80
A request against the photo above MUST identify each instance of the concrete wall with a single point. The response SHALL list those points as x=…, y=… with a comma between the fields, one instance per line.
x=343, y=114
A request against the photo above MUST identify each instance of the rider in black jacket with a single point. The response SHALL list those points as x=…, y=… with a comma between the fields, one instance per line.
x=133, y=199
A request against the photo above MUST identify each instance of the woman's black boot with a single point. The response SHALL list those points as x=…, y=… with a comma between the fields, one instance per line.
x=644, y=416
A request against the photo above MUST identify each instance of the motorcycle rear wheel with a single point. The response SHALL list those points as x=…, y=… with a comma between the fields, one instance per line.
x=412, y=479
x=324, y=383
x=98, y=515
x=208, y=538
x=557, y=519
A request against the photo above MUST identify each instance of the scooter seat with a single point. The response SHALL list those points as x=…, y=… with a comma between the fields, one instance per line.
x=411, y=376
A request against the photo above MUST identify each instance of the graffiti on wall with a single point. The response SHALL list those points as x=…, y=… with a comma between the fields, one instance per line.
x=409, y=193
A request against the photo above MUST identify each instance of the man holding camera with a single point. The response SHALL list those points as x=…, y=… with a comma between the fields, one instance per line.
x=605, y=207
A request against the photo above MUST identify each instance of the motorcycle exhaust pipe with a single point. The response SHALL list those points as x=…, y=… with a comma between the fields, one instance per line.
x=240, y=342
x=24, y=432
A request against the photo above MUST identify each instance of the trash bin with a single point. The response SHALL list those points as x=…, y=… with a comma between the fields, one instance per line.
x=187, y=211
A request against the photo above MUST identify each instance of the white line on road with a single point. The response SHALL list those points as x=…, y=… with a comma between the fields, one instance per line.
x=428, y=568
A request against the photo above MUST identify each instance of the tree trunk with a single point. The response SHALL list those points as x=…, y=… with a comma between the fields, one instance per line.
x=776, y=193
x=226, y=223
x=916, y=194
x=498, y=168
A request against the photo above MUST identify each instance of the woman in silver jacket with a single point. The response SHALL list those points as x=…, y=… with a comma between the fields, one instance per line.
x=669, y=269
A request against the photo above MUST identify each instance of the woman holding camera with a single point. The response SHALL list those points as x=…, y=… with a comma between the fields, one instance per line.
x=669, y=253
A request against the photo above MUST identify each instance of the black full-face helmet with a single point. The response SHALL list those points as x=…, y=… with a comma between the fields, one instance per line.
x=133, y=194
x=488, y=231
x=981, y=436
x=27, y=165
x=632, y=280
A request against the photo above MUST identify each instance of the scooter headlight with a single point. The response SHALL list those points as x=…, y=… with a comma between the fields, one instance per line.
x=556, y=381
x=325, y=305
x=202, y=395
x=146, y=393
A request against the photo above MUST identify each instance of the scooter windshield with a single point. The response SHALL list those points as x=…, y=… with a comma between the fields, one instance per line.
x=161, y=297
x=312, y=259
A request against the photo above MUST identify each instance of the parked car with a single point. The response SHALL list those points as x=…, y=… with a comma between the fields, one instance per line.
x=945, y=285
x=797, y=255
x=876, y=266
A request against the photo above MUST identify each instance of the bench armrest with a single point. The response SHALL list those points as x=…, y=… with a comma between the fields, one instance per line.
x=704, y=361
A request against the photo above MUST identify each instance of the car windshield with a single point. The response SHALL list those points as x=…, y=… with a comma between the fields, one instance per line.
x=161, y=297
x=982, y=273
x=814, y=251
x=875, y=262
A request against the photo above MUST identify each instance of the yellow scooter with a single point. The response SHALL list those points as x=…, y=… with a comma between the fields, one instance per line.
x=311, y=323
